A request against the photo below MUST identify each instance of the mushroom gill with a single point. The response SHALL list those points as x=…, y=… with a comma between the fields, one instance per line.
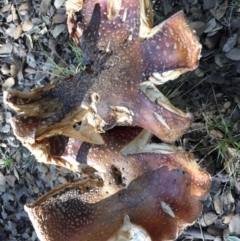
x=126, y=57
x=139, y=197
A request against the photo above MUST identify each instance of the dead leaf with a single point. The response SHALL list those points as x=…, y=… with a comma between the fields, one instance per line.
x=6, y=8
x=210, y=25
x=232, y=164
x=8, y=83
x=10, y=179
x=228, y=218
x=58, y=3
x=198, y=26
x=216, y=134
x=45, y=6
x=58, y=30
x=9, y=18
x=29, y=42
x=6, y=48
x=208, y=219
x=14, y=70
x=59, y=18
x=5, y=69
x=219, y=12
x=17, y=32
x=24, y=6
x=235, y=23
x=14, y=14
x=16, y=173
x=2, y=182
x=27, y=25
x=234, y=54
x=30, y=71
x=10, y=30
x=5, y=129
x=218, y=205
x=234, y=225
x=230, y=43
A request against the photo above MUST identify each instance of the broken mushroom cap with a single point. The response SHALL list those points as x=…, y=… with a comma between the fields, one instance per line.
x=126, y=57
x=154, y=195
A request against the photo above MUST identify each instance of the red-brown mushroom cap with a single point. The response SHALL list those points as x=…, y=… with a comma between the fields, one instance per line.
x=127, y=57
x=160, y=193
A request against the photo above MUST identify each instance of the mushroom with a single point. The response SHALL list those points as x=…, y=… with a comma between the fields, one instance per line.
x=126, y=57
x=149, y=196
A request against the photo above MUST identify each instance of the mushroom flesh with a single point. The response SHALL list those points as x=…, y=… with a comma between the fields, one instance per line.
x=126, y=57
x=152, y=195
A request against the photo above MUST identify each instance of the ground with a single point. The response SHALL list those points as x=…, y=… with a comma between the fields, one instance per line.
x=35, y=48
